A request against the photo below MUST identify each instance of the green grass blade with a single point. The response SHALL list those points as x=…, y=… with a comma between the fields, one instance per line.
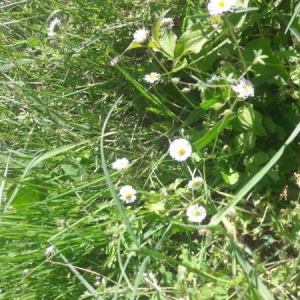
x=176, y=262
x=36, y=161
x=109, y=181
x=4, y=181
x=255, y=280
x=153, y=99
x=81, y=279
x=296, y=12
x=296, y=33
x=217, y=218
x=139, y=277
x=212, y=133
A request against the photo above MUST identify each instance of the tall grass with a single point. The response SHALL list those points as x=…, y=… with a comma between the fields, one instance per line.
x=67, y=113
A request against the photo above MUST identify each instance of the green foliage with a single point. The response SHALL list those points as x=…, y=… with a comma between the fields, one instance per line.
x=74, y=99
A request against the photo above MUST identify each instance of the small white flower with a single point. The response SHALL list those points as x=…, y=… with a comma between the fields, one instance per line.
x=244, y=89
x=52, y=25
x=114, y=61
x=196, y=213
x=214, y=78
x=175, y=80
x=180, y=149
x=26, y=272
x=97, y=283
x=167, y=23
x=120, y=164
x=218, y=7
x=186, y=90
x=50, y=251
x=141, y=35
x=195, y=183
x=127, y=194
x=152, y=77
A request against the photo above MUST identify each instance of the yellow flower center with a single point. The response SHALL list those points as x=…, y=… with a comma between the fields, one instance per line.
x=196, y=213
x=196, y=183
x=246, y=87
x=152, y=77
x=221, y=4
x=128, y=195
x=181, y=151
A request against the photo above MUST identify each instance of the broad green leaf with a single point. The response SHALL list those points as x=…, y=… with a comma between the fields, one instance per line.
x=157, y=207
x=212, y=133
x=251, y=120
x=231, y=177
x=245, y=141
x=217, y=218
x=194, y=116
x=133, y=45
x=156, y=29
x=168, y=43
x=190, y=42
x=272, y=67
x=269, y=124
x=260, y=158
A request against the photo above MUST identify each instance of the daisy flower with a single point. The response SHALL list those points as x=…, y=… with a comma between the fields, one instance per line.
x=167, y=23
x=196, y=213
x=97, y=283
x=152, y=77
x=52, y=25
x=218, y=7
x=195, y=183
x=180, y=149
x=214, y=78
x=120, y=164
x=114, y=61
x=49, y=251
x=141, y=35
x=175, y=80
x=244, y=89
x=127, y=194
x=26, y=272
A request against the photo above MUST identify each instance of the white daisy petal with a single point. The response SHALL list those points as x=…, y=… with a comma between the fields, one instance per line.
x=141, y=35
x=127, y=194
x=120, y=164
x=52, y=25
x=195, y=183
x=152, y=77
x=180, y=149
x=218, y=7
x=244, y=89
x=114, y=61
x=167, y=23
x=50, y=251
x=196, y=213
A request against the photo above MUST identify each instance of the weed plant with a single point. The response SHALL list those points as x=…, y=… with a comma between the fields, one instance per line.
x=149, y=149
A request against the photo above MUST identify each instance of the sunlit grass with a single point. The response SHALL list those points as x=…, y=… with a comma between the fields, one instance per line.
x=68, y=113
